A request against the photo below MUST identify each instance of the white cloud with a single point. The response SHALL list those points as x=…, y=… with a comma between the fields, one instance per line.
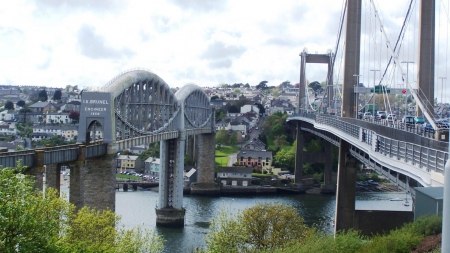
x=206, y=42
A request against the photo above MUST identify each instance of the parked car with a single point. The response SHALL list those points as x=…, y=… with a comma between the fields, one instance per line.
x=371, y=182
x=419, y=120
x=382, y=114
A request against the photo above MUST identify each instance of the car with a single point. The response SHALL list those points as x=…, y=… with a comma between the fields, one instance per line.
x=367, y=115
x=360, y=115
x=408, y=119
x=419, y=120
x=390, y=119
x=363, y=184
x=371, y=182
x=427, y=127
x=382, y=114
x=442, y=123
x=393, y=116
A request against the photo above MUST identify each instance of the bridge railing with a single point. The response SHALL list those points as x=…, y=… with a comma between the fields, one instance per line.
x=10, y=159
x=96, y=149
x=59, y=154
x=417, y=155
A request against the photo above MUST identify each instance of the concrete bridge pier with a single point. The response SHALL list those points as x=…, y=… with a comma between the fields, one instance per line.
x=328, y=187
x=169, y=209
x=346, y=189
x=206, y=146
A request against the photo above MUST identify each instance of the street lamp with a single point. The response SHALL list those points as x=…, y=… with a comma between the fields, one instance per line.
x=356, y=95
x=373, y=104
x=407, y=83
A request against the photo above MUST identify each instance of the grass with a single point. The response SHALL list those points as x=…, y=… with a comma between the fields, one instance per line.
x=223, y=153
x=128, y=177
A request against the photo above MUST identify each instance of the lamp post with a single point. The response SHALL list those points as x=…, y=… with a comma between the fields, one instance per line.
x=356, y=95
x=407, y=83
x=373, y=104
x=442, y=91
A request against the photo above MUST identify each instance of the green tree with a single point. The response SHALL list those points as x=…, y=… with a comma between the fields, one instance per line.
x=222, y=136
x=285, y=159
x=57, y=95
x=285, y=84
x=262, y=85
x=315, y=85
x=280, y=141
x=42, y=96
x=20, y=103
x=264, y=227
x=9, y=105
x=233, y=138
x=31, y=221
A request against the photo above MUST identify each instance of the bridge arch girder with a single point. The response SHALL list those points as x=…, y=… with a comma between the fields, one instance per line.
x=197, y=106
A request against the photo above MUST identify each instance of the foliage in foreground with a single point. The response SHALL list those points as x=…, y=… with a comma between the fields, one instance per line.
x=265, y=226
x=275, y=227
x=33, y=221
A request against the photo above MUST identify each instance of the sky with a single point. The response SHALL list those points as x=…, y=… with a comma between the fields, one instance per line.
x=206, y=42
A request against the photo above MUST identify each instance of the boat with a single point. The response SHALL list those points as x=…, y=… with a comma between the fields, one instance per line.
x=396, y=199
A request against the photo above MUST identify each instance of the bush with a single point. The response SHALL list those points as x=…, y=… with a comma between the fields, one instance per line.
x=426, y=225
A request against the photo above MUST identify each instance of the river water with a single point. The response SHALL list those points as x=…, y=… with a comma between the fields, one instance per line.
x=138, y=209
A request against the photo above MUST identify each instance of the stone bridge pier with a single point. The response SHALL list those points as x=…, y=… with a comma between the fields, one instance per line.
x=205, y=156
x=92, y=181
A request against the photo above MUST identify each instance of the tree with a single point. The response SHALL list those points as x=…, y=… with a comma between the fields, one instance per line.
x=20, y=103
x=57, y=95
x=31, y=221
x=74, y=115
x=42, y=96
x=246, y=85
x=260, y=228
x=261, y=108
x=315, y=85
x=262, y=85
x=9, y=105
x=285, y=84
x=233, y=138
x=222, y=136
x=214, y=97
x=280, y=141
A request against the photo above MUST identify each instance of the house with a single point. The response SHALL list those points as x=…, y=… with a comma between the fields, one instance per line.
x=235, y=176
x=152, y=166
x=7, y=116
x=33, y=117
x=129, y=163
x=40, y=136
x=249, y=108
x=57, y=118
x=72, y=105
x=255, y=159
x=7, y=129
x=138, y=149
x=43, y=107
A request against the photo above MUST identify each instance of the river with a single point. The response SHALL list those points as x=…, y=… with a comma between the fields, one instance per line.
x=138, y=209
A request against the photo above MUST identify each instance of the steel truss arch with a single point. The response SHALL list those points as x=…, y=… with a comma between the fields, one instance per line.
x=143, y=104
x=197, y=107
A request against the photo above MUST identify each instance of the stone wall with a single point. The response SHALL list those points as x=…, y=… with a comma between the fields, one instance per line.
x=206, y=144
x=52, y=176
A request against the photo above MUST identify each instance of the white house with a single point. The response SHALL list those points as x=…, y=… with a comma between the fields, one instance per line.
x=6, y=116
x=249, y=108
x=54, y=118
x=152, y=166
x=235, y=176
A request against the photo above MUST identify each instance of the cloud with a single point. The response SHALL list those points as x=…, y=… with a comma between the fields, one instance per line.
x=283, y=42
x=219, y=50
x=220, y=64
x=200, y=5
x=71, y=5
x=94, y=46
x=48, y=59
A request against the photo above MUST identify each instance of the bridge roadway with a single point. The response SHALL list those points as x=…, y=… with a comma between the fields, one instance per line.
x=383, y=148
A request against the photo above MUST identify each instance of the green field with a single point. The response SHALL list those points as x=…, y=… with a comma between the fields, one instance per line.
x=223, y=153
x=128, y=177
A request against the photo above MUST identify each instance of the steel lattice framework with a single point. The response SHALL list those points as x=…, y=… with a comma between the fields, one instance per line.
x=146, y=109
